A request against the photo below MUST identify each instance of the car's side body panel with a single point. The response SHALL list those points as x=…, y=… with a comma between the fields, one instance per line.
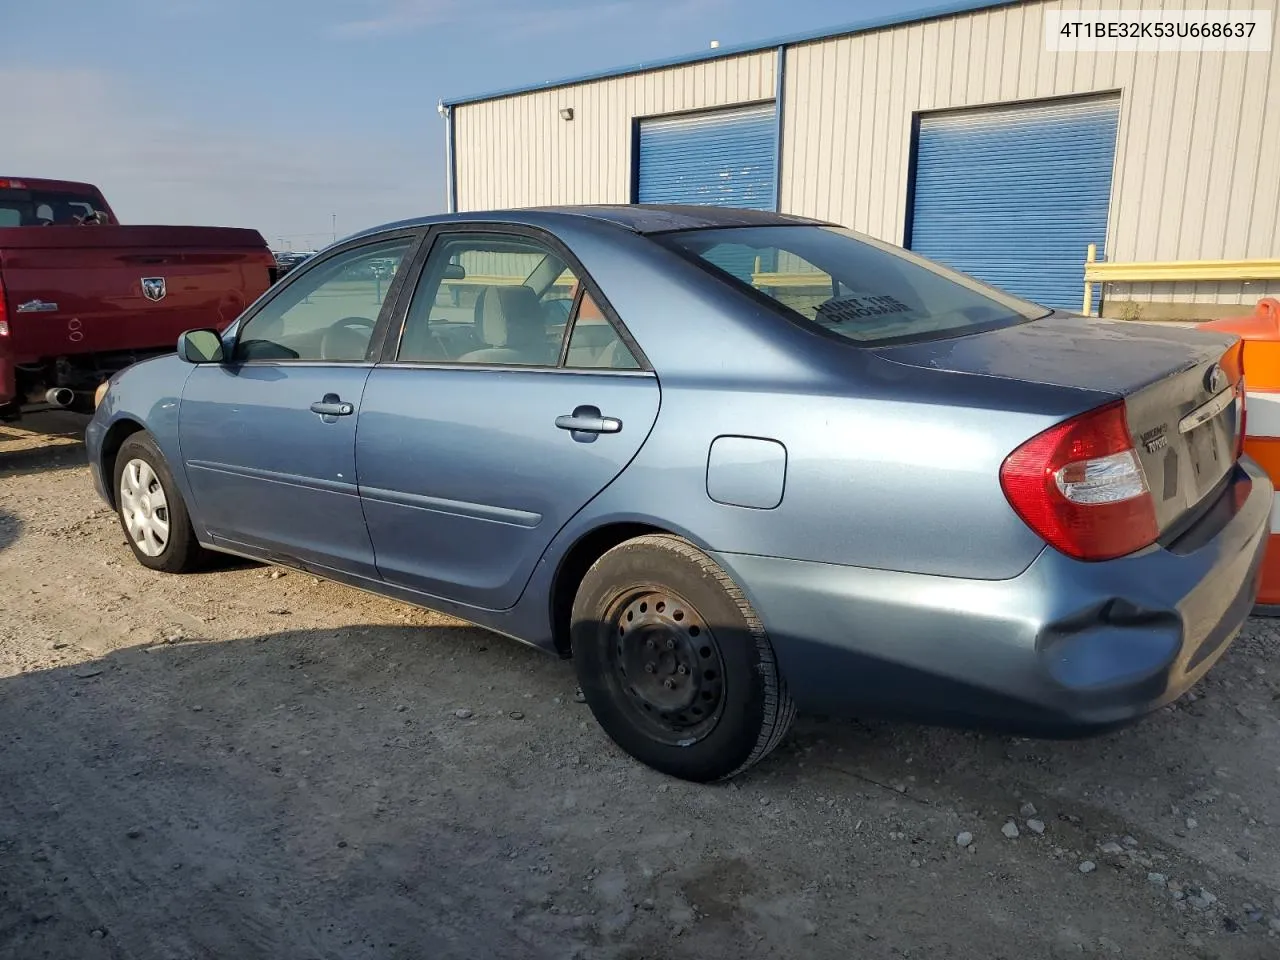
x=466, y=478
x=265, y=472
x=888, y=466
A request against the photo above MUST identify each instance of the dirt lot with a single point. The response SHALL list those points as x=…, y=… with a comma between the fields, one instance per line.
x=243, y=764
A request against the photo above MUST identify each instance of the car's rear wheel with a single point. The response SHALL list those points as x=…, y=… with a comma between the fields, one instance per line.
x=151, y=510
x=674, y=663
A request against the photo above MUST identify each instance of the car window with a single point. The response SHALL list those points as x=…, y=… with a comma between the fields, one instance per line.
x=489, y=300
x=852, y=285
x=594, y=343
x=329, y=312
x=20, y=207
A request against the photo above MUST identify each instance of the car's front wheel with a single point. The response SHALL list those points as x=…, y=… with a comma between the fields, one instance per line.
x=674, y=662
x=151, y=509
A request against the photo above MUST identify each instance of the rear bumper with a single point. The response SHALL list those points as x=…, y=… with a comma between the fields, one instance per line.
x=1064, y=649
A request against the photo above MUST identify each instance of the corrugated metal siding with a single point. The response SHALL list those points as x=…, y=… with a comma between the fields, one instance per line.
x=517, y=152
x=723, y=158
x=1198, y=136
x=1012, y=195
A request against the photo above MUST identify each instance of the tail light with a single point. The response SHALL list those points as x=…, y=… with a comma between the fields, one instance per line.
x=1080, y=486
x=1233, y=367
x=1242, y=417
x=4, y=313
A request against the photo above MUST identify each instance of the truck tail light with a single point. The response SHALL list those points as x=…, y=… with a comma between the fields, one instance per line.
x=1080, y=486
x=4, y=312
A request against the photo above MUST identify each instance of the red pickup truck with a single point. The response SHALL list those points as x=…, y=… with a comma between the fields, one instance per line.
x=82, y=296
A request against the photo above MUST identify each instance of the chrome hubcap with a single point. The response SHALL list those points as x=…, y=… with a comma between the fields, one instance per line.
x=144, y=508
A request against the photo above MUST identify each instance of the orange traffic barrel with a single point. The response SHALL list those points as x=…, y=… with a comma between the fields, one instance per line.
x=1260, y=333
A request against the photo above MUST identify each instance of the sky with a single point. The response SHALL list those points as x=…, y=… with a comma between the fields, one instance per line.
x=286, y=115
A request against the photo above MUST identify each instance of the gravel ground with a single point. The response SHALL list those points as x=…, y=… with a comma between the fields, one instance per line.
x=253, y=763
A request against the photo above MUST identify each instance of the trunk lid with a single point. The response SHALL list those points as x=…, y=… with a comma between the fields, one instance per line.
x=1179, y=393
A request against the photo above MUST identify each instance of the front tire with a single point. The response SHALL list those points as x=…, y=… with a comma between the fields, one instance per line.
x=674, y=662
x=151, y=510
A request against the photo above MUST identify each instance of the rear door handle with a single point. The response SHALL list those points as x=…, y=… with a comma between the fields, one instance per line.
x=588, y=420
x=332, y=407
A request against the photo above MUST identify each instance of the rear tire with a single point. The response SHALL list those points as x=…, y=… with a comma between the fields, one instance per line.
x=151, y=510
x=674, y=662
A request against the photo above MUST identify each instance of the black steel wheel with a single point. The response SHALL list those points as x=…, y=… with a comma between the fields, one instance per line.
x=674, y=663
x=667, y=662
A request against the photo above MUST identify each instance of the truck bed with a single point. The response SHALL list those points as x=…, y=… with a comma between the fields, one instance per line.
x=75, y=294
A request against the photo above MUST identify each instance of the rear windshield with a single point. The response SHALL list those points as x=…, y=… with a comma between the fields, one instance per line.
x=34, y=208
x=850, y=284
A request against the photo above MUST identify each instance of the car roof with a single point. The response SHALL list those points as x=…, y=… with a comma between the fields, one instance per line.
x=37, y=183
x=640, y=218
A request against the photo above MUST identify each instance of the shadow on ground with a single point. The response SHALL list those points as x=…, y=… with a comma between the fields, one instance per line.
x=42, y=442
x=10, y=529
x=46, y=423
x=376, y=792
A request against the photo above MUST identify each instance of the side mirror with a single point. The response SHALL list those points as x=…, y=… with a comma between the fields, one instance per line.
x=200, y=346
x=454, y=271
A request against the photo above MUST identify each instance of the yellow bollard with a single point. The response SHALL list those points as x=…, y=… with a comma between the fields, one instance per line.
x=1091, y=256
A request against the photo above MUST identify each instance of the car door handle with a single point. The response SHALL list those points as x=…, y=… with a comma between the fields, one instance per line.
x=588, y=420
x=332, y=406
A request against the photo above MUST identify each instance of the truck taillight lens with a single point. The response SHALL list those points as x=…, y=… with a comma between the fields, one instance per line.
x=1080, y=486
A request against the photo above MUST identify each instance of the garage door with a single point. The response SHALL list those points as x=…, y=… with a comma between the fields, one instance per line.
x=1013, y=196
x=724, y=158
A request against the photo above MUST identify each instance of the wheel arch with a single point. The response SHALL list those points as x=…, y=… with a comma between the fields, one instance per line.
x=577, y=560
x=112, y=440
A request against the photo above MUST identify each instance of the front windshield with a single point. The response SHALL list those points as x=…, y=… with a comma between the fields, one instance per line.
x=852, y=285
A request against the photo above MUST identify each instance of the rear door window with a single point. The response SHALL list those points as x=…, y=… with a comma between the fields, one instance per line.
x=492, y=300
x=594, y=344
x=851, y=285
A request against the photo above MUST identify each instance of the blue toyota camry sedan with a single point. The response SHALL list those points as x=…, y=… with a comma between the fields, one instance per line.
x=732, y=463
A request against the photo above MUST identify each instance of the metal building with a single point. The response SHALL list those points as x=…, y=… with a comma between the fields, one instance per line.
x=956, y=132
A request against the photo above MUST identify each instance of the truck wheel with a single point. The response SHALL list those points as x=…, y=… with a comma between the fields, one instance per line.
x=674, y=663
x=151, y=510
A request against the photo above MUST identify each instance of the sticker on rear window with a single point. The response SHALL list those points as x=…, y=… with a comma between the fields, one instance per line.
x=843, y=309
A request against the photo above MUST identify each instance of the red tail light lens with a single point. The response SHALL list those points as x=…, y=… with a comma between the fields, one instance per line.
x=1242, y=417
x=1080, y=486
x=1233, y=367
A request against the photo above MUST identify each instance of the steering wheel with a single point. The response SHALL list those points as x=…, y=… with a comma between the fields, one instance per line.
x=347, y=339
x=353, y=322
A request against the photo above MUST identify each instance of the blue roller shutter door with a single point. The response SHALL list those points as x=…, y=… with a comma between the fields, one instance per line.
x=723, y=158
x=1014, y=195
